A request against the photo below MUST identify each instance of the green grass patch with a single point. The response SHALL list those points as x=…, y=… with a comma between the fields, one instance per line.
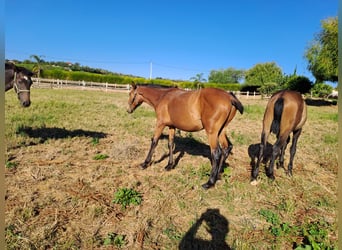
x=100, y=157
x=330, y=138
x=113, y=239
x=11, y=165
x=126, y=197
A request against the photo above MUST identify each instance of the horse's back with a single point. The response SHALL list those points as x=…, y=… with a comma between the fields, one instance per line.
x=180, y=108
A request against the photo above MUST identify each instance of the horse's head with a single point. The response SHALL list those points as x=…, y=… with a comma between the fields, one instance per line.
x=20, y=79
x=135, y=99
x=22, y=84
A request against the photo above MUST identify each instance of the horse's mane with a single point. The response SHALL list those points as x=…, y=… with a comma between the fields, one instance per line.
x=15, y=68
x=152, y=85
x=25, y=71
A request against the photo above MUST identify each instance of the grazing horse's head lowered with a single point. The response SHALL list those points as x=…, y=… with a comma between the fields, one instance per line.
x=285, y=114
x=19, y=78
x=209, y=109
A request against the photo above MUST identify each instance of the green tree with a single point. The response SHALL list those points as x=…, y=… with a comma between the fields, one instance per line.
x=263, y=73
x=198, y=79
x=321, y=89
x=322, y=54
x=229, y=75
x=37, y=68
x=269, y=88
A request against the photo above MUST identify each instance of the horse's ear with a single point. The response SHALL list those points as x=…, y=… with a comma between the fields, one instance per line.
x=133, y=85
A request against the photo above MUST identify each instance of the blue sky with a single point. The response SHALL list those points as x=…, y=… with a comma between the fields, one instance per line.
x=181, y=38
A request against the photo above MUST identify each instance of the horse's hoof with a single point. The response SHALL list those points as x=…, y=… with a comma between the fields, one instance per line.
x=254, y=182
x=168, y=167
x=289, y=173
x=271, y=177
x=144, y=166
x=207, y=185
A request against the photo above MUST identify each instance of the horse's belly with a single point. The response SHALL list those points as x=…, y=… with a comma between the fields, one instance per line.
x=187, y=123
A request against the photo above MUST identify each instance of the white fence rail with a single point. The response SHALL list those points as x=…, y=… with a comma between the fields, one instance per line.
x=57, y=84
x=83, y=85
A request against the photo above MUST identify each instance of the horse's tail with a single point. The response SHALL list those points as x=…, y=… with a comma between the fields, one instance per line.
x=236, y=103
x=277, y=112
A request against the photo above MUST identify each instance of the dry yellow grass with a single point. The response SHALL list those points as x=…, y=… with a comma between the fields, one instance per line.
x=58, y=196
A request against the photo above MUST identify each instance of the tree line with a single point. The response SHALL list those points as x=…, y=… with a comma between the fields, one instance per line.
x=322, y=58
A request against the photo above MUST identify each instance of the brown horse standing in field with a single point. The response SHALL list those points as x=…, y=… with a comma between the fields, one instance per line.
x=209, y=109
x=19, y=78
x=285, y=113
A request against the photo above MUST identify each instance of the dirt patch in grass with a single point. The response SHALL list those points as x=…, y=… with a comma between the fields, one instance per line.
x=59, y=196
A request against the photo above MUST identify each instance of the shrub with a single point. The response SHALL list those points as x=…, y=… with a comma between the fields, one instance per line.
x=269, y=88
x=321, y=90
x=301, y=84
x=251, y=88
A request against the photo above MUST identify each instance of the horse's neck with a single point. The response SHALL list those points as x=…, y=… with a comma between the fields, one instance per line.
x=152, y=95
x=9, y=80
x=9, y=84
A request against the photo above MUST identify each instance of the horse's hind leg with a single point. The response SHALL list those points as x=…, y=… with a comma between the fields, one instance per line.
x=227, y=147
x=216, y=154
x=293, y=149
x=280, y=164
x=277, y=147
x=170, y=164
x=215, y=158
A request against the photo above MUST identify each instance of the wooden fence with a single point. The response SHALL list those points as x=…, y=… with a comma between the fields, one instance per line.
x=57, y=84
x=83, y=85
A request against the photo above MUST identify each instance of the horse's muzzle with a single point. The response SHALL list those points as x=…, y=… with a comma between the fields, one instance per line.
x=26, y=104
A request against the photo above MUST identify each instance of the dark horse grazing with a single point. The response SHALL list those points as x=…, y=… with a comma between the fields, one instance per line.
x=285, y=113
x=209, y=108
x=19, y=78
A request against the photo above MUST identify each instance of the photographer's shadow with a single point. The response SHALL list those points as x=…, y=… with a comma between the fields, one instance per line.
x=216, y=224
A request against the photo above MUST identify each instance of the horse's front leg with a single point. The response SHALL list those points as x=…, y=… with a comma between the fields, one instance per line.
x=154, y=143
x=171, y=163
x=293, y=148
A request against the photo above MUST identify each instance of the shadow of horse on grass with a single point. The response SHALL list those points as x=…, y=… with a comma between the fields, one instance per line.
x=189, y=145
x=45, y=133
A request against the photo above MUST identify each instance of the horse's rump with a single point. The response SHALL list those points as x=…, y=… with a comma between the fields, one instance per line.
x=277, y=113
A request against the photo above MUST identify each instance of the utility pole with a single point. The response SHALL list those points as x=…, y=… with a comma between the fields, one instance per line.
x=150, y=70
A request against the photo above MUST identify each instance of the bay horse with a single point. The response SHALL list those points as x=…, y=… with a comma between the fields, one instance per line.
x=210, y=109
x=19, y=78
x=285, y=113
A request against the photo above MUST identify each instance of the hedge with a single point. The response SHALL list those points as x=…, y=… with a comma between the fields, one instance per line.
x=62, y=74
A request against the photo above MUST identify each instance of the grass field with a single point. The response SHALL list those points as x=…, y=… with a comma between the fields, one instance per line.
x=73, y=181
